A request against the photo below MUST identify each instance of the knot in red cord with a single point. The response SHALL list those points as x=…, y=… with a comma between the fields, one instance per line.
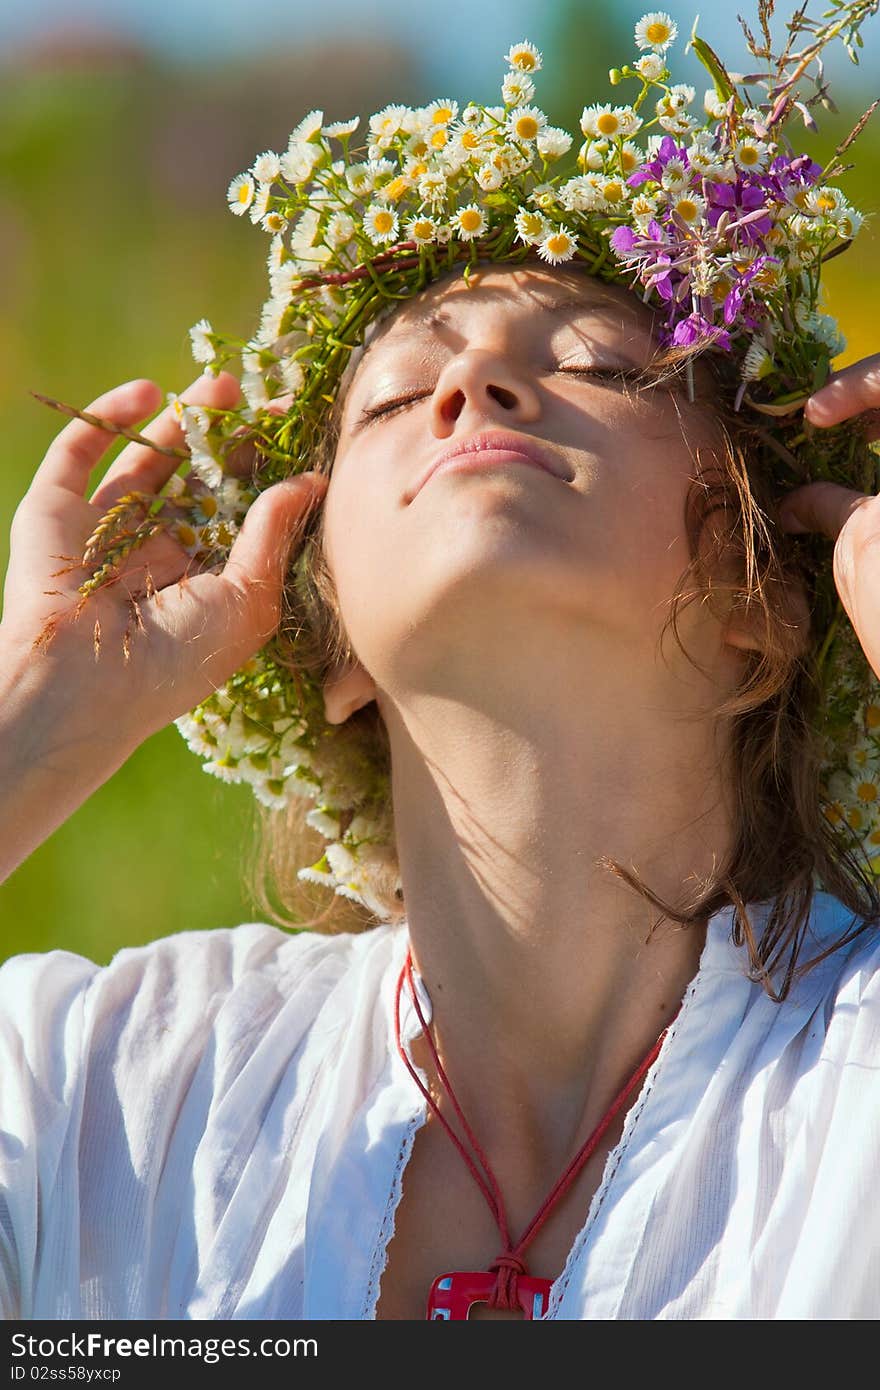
x=508, y=1268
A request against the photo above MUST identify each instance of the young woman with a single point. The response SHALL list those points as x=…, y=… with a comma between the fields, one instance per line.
x=220, y=1124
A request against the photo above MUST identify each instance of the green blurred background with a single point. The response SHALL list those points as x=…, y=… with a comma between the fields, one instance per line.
x=120, y=129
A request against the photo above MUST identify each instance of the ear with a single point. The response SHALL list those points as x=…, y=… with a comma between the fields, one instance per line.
x=744, y=629
x=348, y=688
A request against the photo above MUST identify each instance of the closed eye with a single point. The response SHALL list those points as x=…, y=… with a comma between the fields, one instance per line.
x=373, y=412
x=608, y=373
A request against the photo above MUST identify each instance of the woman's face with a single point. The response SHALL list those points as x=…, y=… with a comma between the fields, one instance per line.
x=424, y=569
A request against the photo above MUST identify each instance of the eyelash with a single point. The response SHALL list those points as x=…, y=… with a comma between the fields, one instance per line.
x=610, y=373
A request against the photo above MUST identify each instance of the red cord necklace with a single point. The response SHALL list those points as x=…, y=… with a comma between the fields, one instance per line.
x=506, y=1283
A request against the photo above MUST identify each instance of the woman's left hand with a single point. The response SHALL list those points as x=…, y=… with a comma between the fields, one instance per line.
x=851, y=519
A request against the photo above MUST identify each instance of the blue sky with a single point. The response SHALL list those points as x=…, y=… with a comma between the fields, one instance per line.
x=470, y=40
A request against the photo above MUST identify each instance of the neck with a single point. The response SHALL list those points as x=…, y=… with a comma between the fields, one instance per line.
x=543, y=970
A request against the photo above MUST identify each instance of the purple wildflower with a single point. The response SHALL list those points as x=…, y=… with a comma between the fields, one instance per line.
x=734, y=301
x=785, y=174
x=739, y=199
x=696, y=329
x=653, y=169
x=624, y=240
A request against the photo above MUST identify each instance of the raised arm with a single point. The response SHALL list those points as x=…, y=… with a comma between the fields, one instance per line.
x=74, y=709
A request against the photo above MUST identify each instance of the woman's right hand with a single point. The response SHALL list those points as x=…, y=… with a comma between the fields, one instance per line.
x=195, y=634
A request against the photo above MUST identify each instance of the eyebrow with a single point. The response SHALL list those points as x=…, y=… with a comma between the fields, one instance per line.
x=438, y=318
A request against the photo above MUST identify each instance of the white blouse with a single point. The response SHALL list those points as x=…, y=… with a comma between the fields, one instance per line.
x=217, y=1125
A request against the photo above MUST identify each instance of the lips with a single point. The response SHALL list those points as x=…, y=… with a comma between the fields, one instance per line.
x=497, y=441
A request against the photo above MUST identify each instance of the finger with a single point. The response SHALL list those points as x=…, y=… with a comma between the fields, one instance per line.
x=143, y=468
x=823, y=507
x=849, y=392
x=247, y=600
x=74, y=452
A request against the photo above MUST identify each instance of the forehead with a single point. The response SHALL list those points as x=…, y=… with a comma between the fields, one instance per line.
x=543, y=298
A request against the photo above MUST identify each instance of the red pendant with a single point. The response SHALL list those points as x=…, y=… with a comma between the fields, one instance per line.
x=453, y=1295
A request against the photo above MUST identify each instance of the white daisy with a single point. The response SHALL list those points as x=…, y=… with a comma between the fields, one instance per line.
x=380, y=224
x=472, y=115
x=360, y=179
x=847, y=221
x=511, y=160
x=295, y=166
x=454, y=156
x=649, y=66
x=703, y=161
x=588, y=120
x=543, y=195
x=688, y=207
x=201, y=340
x=757, y=362
x=197, y=735
x=253, y=385
x=274, y=222
x=277, y=253
x=609, y=122
x=386, y=123
x=441, y=112
x=340, y=229
x=266, y=166
x=750, y=154
x=630, y=157
x=416, y=121
x=271, y=792
x=557, y=246
x=469, y=222
x=260, y=204
x=309, y=874
x=517, y=89
x=752, y=116
x=307, y=129
x=433, y=187
x=272, y=316
x=553, y=142
x=421, y=230
x=613, y=190
x=341, y=859
x=524, y=57
x=678, y=124
x=524, y=123
x=675, y=175
x=464, y=145
x=581, y=193
x=293, y=375
x=489, y=177
x=240, y=193
x=642, y=208
x=823, y=200
x=324, y=819
x=531, y=226
x=656, y=30
x=593, y=154
x=340, y=128
x=713, y=105
x=681, y=94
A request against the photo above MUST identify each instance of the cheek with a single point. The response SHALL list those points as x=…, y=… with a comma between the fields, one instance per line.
x=360, y=540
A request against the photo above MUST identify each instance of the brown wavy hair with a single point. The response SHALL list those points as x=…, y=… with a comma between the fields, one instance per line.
x=784, y=847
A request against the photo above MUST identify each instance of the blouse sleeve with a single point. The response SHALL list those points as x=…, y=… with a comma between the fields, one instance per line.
x=42, y=1024
x=109, y=1074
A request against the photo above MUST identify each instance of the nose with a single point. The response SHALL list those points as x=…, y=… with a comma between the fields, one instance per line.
x=483, y=384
